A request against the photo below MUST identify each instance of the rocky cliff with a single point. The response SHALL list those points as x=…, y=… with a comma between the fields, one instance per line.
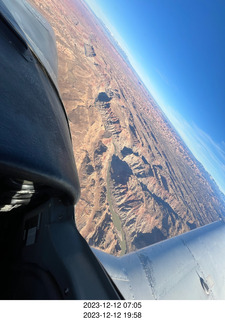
x=139, y=182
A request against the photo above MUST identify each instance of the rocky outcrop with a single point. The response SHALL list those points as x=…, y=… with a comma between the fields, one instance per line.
x=109, y=118
x=139, y=182
x=89, y=50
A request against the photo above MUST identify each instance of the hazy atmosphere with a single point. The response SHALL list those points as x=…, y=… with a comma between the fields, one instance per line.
x=177, y=48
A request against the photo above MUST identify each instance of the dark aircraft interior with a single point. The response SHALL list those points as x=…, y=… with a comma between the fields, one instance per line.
x=42, y=254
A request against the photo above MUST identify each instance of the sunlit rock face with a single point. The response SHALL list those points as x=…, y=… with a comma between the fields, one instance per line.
x=139, y=182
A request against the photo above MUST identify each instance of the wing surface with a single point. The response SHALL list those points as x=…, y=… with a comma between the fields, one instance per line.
x=189, y=266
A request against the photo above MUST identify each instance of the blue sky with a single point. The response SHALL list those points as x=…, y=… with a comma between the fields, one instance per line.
x=178, y=49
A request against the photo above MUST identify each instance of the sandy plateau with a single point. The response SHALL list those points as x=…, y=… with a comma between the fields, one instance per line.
x=139, y=182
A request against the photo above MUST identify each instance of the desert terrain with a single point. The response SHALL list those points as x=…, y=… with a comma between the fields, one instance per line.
x=139, y=182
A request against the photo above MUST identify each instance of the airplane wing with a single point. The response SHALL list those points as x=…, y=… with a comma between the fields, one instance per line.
x=189, y=266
